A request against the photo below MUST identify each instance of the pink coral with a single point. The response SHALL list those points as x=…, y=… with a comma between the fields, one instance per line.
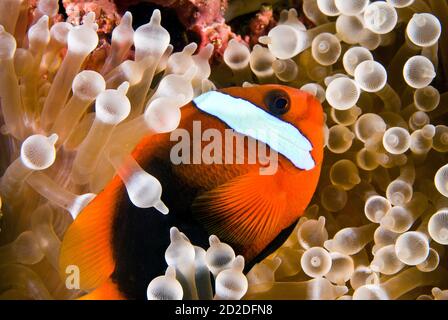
x=32, y=5
x=261, y=24
x=97, y=58
x=204, y=17
x=105, y=11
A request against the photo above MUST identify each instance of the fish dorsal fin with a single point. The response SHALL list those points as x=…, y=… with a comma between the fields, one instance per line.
x=87, y=244
x=246, y=209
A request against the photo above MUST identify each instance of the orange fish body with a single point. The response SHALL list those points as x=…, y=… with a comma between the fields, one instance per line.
x=119, y=248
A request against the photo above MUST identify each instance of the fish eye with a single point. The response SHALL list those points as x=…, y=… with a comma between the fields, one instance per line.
x=277, y=102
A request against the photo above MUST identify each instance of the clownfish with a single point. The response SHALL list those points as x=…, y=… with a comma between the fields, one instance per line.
x=119, y=248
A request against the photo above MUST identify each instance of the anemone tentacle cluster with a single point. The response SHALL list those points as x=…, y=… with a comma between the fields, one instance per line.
x=67, y=130
x=377, y=227
x=194, y=265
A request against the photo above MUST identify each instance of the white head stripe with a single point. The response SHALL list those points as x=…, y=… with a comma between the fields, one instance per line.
x=250, y=120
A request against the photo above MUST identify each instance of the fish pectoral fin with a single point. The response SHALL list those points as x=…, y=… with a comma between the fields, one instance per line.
x=107, y=291
x=86, y=249
x=246, y=209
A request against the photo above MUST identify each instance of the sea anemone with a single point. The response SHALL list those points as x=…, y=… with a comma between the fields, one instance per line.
x=78, y=95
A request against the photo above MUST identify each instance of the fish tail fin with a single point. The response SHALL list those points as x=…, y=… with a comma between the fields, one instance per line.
x=107, y=291
x=87, y=244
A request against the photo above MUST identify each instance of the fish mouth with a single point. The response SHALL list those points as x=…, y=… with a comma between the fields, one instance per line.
x=248, y=119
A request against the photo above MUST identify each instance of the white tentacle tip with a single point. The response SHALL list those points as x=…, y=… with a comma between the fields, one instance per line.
x=265, y=40
x=190, y=48
x=161, y=207
x=127, y=18
x=156, y=17
x=213, y=240
x=53, y=138
x=123, y=88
